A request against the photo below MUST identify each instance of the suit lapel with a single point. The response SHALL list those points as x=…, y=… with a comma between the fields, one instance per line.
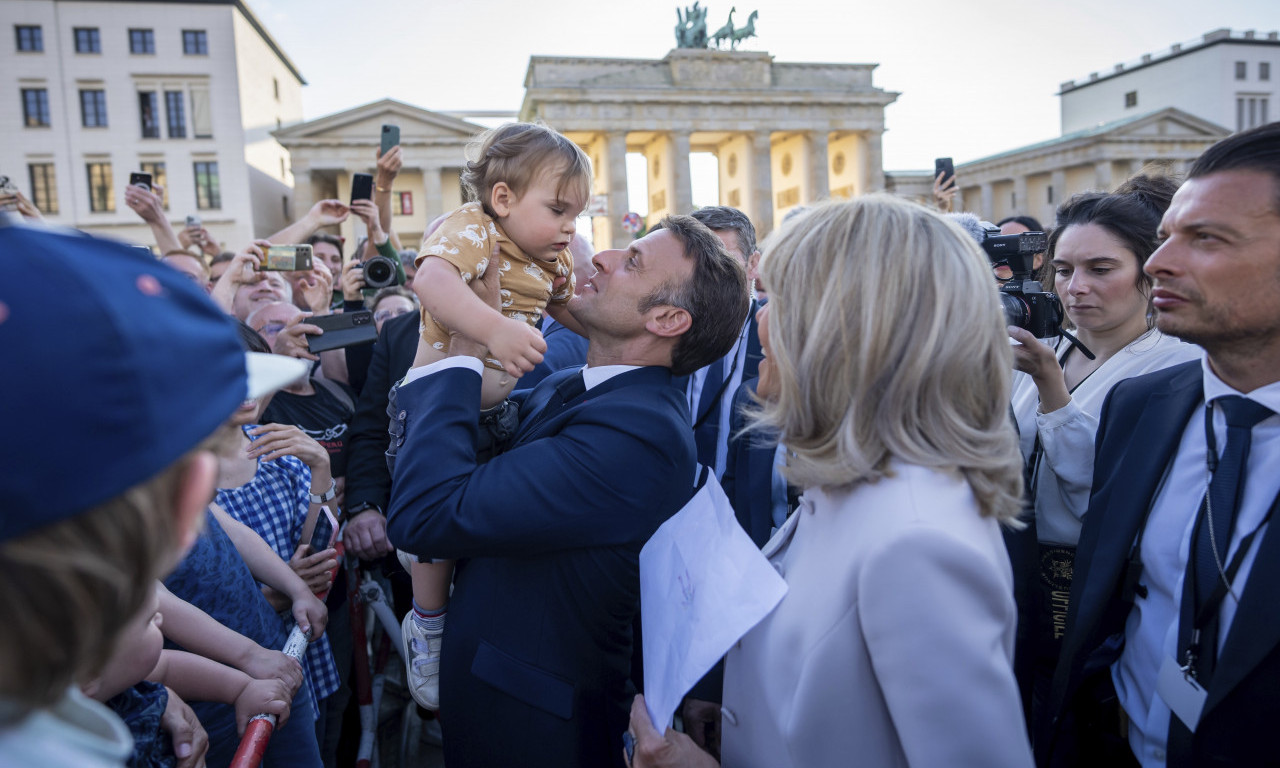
x=751, y=365
x=532, y=428
x=1255, y=630
x=1119, y=507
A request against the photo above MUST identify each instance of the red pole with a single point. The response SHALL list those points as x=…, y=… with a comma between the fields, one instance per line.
x=253, y=745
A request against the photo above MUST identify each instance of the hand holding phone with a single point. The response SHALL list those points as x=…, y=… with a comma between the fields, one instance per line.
x=343, y=330
x=138, y=179
x=287, y=258
x=361, y=186
x=390, y=138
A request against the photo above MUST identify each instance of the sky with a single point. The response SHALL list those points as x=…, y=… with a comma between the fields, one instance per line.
x=976, y=77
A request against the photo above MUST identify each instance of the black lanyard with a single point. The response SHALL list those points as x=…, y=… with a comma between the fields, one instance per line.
x=1203, y=613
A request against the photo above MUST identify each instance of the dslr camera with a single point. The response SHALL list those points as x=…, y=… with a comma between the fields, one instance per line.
x=380, y=272
x=1026, y=304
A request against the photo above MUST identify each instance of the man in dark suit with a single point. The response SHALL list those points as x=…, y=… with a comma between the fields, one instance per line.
x=537, y=650
x=711, y=390
x=1173, y=611
x=368, y=481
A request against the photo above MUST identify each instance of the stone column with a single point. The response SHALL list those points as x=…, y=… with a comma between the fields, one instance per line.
x=1102, y=175
x=986, y=197
x=303, y=193
x=1020, y=202
x=760, y=184
x=1058, y=182
x=872, y=162
x=681, y=183
x=614, y=173
x=818, y=180
x=432, y=196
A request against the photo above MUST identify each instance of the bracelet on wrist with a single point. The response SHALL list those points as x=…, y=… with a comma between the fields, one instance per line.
x=327, y=495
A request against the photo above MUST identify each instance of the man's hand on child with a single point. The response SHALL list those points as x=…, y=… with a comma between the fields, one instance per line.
x=190, y=741
x=266, y=664
x=262, y=697
x=517, y=346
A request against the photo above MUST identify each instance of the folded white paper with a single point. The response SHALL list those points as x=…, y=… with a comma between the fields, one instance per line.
x=703, y=585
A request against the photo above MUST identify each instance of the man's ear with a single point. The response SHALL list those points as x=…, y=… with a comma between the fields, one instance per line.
x=668, y=321
x=500, y=198
x=753, y=265
x=191, y=498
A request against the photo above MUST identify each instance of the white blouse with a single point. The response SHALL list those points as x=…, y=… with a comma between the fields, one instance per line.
x=1065, y=476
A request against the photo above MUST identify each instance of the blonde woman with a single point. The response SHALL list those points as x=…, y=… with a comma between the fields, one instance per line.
x=886, y=373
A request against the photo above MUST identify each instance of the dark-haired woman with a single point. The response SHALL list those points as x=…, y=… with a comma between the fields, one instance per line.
x=1097, y=250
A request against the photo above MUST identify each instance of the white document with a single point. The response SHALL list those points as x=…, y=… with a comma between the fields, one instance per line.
x=703, y=585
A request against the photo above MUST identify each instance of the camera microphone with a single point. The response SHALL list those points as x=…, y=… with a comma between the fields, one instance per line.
x=971, y=225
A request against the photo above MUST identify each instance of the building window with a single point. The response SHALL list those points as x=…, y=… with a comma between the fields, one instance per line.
x=1262, y=117
x=282, y=169
x=201, y=115
x=30, y=38
x=176, y=112
x=44, y=187
x=1131, y=99
x=275, y=86
x=35, y=107
x=1242, y=70
x=158, y=179
x=195, y=42
x=100, y=198
x=87, y=40
x=208, y=194
x=142, y=41
x=149, y=114
x=93, y=108
x=1264, y=70
x=402, y=204
x=1049, y=197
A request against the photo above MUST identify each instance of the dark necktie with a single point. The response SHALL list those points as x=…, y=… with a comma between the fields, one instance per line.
x=706, y=435
x=567, y=390
x=1222, y=503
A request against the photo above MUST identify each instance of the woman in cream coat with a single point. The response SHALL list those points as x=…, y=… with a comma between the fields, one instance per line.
x=887, y=375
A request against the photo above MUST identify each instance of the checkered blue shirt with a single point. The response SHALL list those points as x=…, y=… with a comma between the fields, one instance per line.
x=274, y=504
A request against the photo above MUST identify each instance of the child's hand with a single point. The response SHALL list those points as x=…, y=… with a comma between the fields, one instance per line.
x=190, y=741
x=266, y=664
x=517, y=346
x=310, y=613
x=262, y=697
x=314, y=569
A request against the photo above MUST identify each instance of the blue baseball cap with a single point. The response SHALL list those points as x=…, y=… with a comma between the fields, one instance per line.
x=115, y=366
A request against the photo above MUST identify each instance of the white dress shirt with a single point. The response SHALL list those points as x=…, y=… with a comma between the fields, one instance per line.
x=590, y=376
x=1065, y=476
x=1151, y=631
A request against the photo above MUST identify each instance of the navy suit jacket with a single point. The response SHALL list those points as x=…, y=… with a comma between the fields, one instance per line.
x=748, y=474
x=1140, y=427
x=537, y=649
x=565, y=349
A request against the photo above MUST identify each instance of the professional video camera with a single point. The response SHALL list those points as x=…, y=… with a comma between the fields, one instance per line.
x=1026, y=304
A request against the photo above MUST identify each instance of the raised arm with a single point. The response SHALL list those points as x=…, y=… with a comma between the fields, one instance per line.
x=325, y=213
x=149, y=205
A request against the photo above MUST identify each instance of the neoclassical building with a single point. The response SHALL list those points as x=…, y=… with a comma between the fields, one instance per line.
x=783, y=134
x=327, y=151
x=1036, y=179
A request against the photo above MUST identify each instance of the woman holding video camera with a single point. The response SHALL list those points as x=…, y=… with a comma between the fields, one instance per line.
x=894, y=642
x=1096, y=253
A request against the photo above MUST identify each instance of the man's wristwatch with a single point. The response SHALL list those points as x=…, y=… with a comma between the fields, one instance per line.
x=327, y=495
x=363, y=506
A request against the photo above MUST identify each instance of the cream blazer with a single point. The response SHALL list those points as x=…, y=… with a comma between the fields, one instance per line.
x=894, y=643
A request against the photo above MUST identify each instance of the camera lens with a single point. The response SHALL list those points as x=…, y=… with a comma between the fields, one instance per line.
x=379, y=272
x=1016, y=311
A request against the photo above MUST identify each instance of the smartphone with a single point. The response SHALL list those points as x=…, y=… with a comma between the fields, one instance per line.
x=193, y=222
x=287, y=258
x=322, y=534
x=7, y=187
x=944, y=166
x=138, y=179
x=348, y=329
x=390, y=137
x=361, y=186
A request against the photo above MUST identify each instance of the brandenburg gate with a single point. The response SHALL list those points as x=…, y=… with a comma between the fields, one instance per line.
x=783, y=134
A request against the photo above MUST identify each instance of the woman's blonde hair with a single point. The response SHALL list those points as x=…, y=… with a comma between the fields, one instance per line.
x=889, y=343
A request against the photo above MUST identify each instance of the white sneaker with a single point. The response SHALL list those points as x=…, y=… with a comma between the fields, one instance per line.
x=422, y=662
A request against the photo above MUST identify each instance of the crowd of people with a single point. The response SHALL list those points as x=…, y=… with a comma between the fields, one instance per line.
x=999, y=550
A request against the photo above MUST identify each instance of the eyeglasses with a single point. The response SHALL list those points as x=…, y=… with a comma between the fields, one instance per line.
x=383, y=315
x=271, y=329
